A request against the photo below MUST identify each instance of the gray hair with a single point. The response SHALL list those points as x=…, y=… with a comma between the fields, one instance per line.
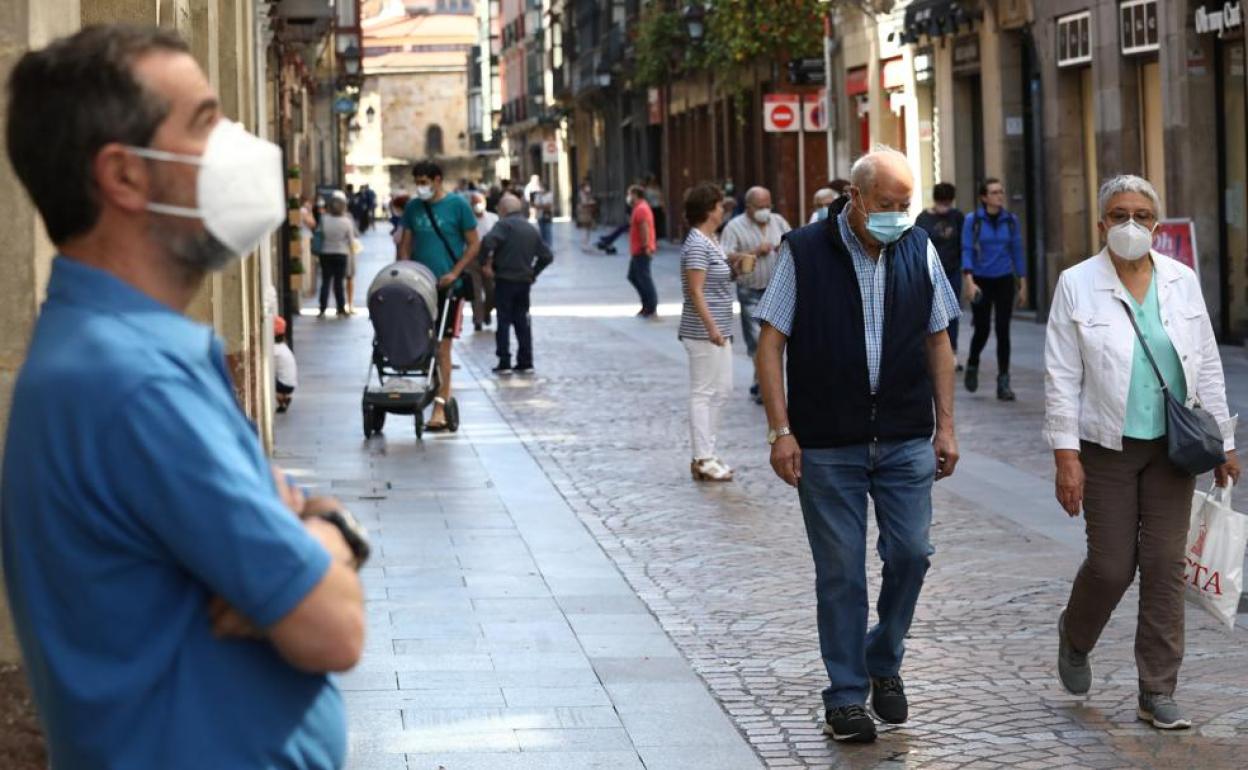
x=825, y=194
x=751, y=195
x=862, y=173
x=1127, y=183
x=509, y=204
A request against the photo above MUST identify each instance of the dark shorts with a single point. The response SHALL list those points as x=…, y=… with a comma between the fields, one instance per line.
x=450, y=316
x=284, y=389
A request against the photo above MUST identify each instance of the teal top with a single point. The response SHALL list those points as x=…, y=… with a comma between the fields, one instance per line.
x=455, y=219
x=1146, y=408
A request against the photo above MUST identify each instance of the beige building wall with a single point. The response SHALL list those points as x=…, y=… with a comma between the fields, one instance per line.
x=27, y=256
x=414, y=102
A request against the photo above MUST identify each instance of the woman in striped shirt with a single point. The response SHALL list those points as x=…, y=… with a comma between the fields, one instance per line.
x=706, y=327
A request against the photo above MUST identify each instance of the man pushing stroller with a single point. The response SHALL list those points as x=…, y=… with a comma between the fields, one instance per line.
x=440, y=232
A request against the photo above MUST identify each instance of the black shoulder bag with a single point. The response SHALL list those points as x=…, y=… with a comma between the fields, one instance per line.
x=464, y=291
x=1192, y=435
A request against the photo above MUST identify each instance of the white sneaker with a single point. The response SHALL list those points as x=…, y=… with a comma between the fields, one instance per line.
x=710, y=469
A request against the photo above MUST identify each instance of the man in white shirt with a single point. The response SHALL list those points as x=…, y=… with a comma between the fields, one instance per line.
x=482, y=286
x=285, y=370
x=755, y=232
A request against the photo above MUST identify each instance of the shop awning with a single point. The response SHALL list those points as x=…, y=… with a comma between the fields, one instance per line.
x=937, y=18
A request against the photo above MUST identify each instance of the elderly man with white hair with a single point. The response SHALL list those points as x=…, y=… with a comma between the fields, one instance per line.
x=1127, y=325
x=512, y=256
x=482, y=288
x=753, y=237
x=860, y=304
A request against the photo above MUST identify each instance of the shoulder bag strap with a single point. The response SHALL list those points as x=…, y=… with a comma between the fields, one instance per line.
x=1140, y=336
x=434, y=221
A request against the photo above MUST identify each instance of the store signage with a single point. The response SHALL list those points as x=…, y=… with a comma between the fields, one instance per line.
x=1212, y=17
x=781, y=113
x=924, y=68
x=1074, y=39
x=1138, y=22
x=966, y=53
x=344, y=105
x=1176, y=238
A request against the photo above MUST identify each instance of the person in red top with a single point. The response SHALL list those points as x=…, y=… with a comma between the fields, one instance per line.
x=641, y=246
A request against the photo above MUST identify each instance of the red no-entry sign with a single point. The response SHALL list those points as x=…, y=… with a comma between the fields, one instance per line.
x=781, y=112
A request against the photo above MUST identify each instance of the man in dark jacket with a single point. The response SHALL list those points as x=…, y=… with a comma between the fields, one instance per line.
x=859, y=303
x=943, y=225
x=513, y=254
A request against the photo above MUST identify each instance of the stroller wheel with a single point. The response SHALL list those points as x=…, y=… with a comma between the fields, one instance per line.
x=452, y=415
x=368, y=421
x=379, y=419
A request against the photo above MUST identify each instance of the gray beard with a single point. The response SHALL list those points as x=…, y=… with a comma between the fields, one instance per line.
x=195, y=254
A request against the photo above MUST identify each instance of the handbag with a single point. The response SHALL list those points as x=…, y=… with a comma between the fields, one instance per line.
x=1194, y=441
x=318, y=241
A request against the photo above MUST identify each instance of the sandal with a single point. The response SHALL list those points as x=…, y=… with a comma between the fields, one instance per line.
x=437, y=427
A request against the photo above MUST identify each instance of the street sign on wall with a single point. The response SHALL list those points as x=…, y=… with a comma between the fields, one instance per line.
x=1176, y=238
x=550, y=151
x=815, y=111
x=781, y=113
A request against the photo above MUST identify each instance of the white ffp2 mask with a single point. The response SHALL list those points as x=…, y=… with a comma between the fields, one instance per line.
x=1130, y=240
x=239, y=191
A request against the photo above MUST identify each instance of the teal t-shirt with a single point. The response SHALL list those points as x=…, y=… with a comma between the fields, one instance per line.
x=1146, y=407
x=454, y=217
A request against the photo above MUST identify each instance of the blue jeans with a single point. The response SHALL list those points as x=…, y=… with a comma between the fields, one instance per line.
x=833, y=492
x=749, y=299
x=546, y=227
x=639, y=277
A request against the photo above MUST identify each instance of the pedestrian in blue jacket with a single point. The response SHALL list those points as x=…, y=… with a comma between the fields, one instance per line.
x=994, y=277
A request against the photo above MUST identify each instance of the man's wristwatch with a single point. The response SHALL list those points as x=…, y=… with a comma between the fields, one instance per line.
x=352, y=532
x=775, y=434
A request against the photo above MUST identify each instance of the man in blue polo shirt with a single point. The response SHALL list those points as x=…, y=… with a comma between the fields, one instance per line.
x=177, y=605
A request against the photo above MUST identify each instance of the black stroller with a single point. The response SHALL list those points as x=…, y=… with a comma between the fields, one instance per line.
x=403, y=308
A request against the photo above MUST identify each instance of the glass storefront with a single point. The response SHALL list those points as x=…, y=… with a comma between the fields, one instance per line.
x=1233, y=180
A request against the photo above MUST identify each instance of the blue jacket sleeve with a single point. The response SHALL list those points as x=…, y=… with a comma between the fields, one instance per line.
x=1016, y=249
x=968, y=242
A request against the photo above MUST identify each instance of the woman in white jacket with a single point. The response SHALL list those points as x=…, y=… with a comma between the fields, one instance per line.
x=1105, y=419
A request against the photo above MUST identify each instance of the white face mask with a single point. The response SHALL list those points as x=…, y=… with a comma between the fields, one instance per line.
x=424, y=192
x=762, y=216
x=1130, y=240
x=479, y=208
x=240, y=190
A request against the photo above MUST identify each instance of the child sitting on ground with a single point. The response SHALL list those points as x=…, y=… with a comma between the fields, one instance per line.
x=284, y=366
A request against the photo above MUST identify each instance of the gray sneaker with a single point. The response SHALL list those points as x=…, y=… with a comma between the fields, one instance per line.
x=1160, y=711
x=1072, y=666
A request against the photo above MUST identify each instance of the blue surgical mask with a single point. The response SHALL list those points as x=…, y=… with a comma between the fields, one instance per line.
x=887, y=226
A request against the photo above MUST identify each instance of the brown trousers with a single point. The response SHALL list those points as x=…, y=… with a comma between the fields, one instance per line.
x=1137, y=506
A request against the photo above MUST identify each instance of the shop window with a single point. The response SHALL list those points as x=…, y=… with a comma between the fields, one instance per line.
x=1074, y=39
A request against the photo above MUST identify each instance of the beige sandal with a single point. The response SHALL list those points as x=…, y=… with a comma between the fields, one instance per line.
x=710, y=469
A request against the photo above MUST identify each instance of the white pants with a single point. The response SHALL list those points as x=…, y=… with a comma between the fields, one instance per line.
x=710, y=384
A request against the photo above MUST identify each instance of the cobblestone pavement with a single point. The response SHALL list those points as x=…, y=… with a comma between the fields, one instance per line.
x=727, y=571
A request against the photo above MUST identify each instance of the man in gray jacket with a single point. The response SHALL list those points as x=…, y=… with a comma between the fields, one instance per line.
x=513, y=254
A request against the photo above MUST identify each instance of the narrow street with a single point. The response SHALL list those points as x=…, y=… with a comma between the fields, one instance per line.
x=550, y=590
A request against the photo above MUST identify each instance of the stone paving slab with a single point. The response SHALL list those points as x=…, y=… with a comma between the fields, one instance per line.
x=490, y=606
x=727, y=572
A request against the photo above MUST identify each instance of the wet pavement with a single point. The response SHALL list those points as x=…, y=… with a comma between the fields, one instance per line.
x=554, y=591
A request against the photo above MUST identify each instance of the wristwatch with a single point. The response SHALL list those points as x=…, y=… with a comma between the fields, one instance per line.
x=775, y=434
x=352, y=532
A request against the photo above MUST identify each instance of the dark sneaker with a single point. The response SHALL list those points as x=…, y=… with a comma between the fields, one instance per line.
x=972, y=378
x=849, y=724
x=523, y=369
x=503, y=367
x=1072, y=666
x=888, y=699
x=754, y=389
x=1003, y=388
x=1162, y=712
